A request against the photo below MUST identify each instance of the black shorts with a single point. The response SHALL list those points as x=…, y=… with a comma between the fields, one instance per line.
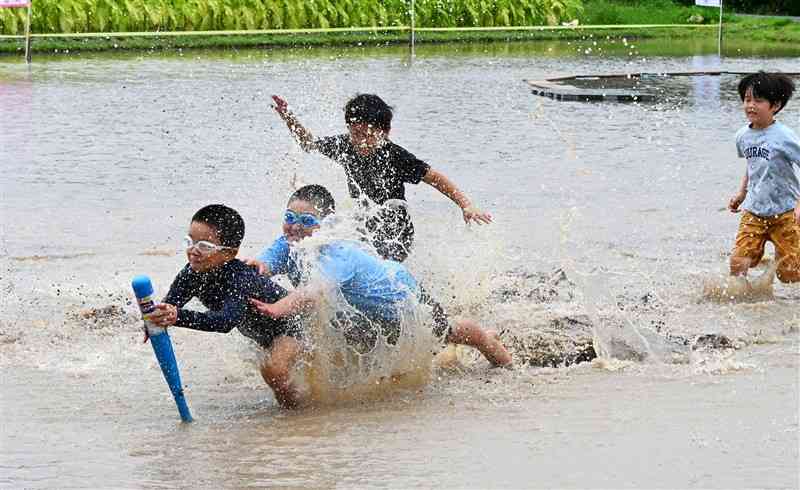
x=265, y=330
x=441, y=325
x=361, y=331
x=391, y=232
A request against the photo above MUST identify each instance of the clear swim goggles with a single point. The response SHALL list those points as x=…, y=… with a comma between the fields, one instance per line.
x=305, y=219
x=202, y=246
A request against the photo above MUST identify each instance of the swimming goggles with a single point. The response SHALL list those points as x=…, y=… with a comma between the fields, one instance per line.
x=305, y=219
x=202, y=246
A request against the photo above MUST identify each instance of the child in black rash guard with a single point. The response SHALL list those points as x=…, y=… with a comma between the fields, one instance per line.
x=379, y=169
x=225, y=285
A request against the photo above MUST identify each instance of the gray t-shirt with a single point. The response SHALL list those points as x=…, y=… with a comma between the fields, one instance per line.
x=773, y=185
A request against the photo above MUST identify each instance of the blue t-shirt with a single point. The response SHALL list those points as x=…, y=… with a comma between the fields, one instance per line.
x=280, y=261
x=773, y=186
x=373, y=286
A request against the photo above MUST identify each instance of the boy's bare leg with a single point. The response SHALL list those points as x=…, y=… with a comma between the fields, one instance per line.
x=468, y=332
x=276, y=369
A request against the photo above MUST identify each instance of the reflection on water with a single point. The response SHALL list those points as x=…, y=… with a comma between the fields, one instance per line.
x=609, y=219
x=706, y=88
x=671, y=89
x=592, y=46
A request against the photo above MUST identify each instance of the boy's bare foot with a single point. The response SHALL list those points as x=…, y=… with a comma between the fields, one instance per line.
x=500, y=356
x=467, y=332
x=448, y=358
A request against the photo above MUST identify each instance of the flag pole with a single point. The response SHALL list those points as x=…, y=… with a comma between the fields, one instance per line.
x=28, y=34
x=412, y=39
x=719, y=42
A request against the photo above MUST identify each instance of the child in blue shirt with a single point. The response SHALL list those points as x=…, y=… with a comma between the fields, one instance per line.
x=224, y=285
x=770, y=191
x=376, y=288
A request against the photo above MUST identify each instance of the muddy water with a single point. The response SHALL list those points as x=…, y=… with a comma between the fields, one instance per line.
x=609, y=221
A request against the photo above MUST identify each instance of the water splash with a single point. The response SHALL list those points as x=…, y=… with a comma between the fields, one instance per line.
x=339, y=369
x=615, y=333
x=738, y=289
x=350, y=356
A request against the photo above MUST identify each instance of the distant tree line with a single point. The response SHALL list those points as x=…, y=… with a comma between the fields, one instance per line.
x=776, y=7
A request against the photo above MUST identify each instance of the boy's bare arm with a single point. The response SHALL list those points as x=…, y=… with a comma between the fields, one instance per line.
x=262, y=267
x=222, y=321
x=444, y=185
x=797, y=212
x=300, y=133
x=738, y=198
x=296, y=302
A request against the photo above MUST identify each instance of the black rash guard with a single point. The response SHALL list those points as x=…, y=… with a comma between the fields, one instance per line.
x=226, y=292
x=380, y=176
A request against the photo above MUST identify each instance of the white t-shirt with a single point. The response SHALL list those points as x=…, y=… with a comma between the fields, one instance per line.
x=773, y=162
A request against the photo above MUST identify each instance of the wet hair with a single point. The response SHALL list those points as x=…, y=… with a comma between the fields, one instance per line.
x=228, y=224
x=318, y=196
x=777, y=88
x=370, y=109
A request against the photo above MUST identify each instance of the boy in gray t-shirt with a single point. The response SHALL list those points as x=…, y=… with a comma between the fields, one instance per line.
x=770, y=188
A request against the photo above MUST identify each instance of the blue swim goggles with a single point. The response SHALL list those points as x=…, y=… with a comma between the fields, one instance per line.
x=306, y=220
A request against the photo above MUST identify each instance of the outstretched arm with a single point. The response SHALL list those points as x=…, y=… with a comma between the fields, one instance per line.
x=299, y=301
x=738, y=198
x=794, y=149
x=222, y=321
x=444, y=185
x=260, y=266
x=300, y=133
x=797, y=212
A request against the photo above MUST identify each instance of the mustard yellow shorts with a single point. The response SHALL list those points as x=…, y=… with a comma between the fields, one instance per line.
x=782, y=231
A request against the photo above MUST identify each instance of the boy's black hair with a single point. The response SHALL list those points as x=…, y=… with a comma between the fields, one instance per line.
x=777, y=88
x=318, y=196
x=228, y=224
x=370, y=109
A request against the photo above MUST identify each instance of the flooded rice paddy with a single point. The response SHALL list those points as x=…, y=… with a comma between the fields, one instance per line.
x=610, y=233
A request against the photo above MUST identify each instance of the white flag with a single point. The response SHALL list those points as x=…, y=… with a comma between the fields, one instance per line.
x=708, y=3
x=14, y=3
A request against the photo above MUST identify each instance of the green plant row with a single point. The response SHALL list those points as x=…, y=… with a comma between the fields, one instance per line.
x=75, y=16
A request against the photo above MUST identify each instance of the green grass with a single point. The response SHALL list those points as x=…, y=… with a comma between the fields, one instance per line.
x=643, y=12
x=764, y=30
x=670, y=12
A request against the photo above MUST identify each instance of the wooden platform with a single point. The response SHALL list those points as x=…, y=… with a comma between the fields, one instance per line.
x=560, y=91
x=558, y=88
